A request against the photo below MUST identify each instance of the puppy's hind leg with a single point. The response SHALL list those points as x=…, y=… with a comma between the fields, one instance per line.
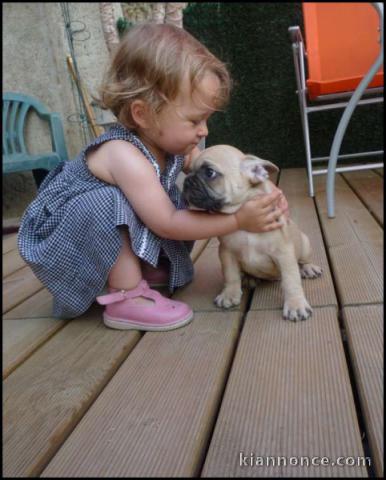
x=307, y=269
x=231, y=293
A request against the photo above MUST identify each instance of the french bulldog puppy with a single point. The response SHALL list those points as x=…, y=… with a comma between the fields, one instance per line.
x=222, y=178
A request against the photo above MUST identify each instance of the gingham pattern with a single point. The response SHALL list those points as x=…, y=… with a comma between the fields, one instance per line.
x=69, y=236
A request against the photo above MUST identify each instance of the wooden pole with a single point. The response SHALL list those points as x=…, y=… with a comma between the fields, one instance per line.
x=97, y=129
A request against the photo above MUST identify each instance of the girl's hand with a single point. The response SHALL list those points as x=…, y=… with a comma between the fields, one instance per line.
x=282, y=202
x=261, y=213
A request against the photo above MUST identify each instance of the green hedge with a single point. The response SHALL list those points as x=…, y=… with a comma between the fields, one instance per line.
x=263, y=116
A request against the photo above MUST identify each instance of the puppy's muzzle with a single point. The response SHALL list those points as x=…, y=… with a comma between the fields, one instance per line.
x=197, y=193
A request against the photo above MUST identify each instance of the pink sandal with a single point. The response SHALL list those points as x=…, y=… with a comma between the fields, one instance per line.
x=123, y=314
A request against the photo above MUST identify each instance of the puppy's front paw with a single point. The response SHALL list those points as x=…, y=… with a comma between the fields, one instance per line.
x=309, y=270
x=296, y=309
x=229, y=297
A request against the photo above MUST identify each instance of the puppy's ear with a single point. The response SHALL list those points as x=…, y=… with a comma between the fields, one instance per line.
x=256, y=169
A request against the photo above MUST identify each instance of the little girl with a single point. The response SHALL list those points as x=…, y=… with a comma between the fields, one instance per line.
x=115, y=211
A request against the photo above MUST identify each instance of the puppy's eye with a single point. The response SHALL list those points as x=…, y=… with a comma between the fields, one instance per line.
x=210, y=173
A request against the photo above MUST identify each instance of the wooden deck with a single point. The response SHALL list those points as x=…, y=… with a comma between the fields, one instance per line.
x=224, y=395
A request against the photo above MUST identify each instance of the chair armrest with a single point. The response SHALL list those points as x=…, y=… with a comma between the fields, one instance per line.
x=57, y=136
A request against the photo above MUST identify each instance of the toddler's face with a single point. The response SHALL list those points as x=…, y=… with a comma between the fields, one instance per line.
x=183, y=122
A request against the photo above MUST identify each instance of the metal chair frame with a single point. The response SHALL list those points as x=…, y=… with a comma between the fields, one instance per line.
x=299, y=55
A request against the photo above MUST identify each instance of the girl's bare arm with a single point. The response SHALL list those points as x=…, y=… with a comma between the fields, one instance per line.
x=136, y=177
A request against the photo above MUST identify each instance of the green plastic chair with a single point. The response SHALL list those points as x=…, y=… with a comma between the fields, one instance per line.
x=16, y=158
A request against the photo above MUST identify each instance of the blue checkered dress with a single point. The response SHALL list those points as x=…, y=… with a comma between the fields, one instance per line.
x=69, y=236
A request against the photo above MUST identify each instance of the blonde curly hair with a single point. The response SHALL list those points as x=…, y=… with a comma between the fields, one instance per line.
x=150, y=64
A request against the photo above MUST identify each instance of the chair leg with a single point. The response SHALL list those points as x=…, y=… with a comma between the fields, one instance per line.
x=306, y=137
x=298, y=56
x=39, y=175
x=307, y=145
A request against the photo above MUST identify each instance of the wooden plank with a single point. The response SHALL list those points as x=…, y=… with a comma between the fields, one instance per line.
x=12, y=262
x=355, y=245
x=379, y=171
x=369, y=188
x=155, y=416
x=288, y=395
x=21, y=337
x=18, y=286
x=318, y=291
x=365, y=335
x=9, y=243
x=47, y=395
x=38, y=305
x=27, y=327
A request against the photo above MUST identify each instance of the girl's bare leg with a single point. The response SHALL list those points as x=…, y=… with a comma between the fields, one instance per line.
x=126, y=272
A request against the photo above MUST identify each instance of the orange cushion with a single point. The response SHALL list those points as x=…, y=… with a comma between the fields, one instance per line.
x=342, y=41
